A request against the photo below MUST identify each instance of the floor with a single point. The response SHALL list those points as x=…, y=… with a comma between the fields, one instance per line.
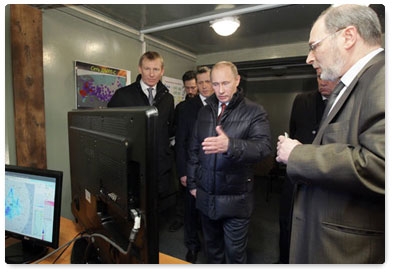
x=263, y=243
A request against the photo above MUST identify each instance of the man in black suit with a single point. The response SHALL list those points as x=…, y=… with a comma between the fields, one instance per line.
x=187, y=116
x=306, y=115
x=191, y=90
x=149, y=90
x=307, y=111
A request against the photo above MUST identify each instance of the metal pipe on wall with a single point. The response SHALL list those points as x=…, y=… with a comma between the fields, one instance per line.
x=207, y=18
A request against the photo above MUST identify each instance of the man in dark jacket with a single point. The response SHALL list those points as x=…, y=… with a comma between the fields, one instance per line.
x=186, y=122
x=224, y=147
x=151, y=69
x=191, y=91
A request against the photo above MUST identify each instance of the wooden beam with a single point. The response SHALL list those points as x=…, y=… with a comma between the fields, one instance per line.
x=27, y=69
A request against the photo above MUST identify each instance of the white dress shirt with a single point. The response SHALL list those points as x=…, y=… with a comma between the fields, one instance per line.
x=145, y=87
x=349, y=76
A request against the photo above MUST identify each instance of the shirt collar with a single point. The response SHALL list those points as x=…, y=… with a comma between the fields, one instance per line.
x=203, y=99
x=349, y=76
x=145, y=87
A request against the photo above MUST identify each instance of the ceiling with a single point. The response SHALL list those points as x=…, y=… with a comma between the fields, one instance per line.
x=187, y=26
x=270, y=24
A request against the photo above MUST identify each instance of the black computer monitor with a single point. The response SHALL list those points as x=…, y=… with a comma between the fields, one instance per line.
x=113, y=181
x=33, y=200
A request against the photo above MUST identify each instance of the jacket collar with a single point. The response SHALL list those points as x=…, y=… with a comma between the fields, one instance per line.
x=160, y=87
x=235, y=100
x=317, y=140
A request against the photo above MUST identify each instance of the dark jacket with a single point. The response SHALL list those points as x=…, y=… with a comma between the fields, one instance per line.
x=306, y=116
x=187, y=115
x=133, y=95
x=224, y=182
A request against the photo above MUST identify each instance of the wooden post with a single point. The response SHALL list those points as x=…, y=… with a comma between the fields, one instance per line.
x=27, y=69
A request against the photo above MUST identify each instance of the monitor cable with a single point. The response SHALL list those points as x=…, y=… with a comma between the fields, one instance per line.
x=136, y=214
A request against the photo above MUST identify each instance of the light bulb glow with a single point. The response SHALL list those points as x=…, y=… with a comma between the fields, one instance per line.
x=225, y=26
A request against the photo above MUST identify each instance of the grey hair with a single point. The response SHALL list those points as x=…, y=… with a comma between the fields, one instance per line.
x=363, y=18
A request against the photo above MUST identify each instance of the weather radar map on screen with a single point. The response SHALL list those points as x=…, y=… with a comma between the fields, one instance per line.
x=32, y=212
x=26, y=215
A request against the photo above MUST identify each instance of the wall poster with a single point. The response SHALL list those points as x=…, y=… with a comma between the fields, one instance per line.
x=176, y=88
x=95, y=84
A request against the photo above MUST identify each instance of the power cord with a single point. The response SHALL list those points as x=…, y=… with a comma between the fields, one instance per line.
x=136, y=227
x=66, y=245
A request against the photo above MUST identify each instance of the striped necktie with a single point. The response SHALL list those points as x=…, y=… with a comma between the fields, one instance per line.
x=223, y=106
x=332, y=99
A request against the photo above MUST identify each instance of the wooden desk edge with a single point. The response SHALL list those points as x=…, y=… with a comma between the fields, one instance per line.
x=68, y=229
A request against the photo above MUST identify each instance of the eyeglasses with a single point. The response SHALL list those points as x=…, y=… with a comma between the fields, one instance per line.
x=314, y=45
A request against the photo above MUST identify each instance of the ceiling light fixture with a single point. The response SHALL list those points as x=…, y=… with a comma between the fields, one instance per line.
x=225, y=26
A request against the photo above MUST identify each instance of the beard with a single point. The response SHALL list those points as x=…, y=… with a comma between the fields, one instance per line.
x=333, y=72
x=190, y=96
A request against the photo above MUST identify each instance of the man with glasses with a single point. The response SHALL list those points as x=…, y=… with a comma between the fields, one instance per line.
x=339, y=208
x=315, y=44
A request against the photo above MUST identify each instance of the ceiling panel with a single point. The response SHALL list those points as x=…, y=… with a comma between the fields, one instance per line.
x=269, y=25
x=285, y=24
x=141, y=16
x=187, y=27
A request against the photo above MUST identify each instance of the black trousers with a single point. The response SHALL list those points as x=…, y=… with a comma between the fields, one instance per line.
x=192, y=223
x=180, y=202
x=285, y=219
x=225, y=239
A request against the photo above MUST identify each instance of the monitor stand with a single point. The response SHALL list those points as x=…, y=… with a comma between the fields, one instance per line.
x=24, y=252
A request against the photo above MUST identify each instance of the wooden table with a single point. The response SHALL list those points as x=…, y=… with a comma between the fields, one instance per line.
x=69, y=229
